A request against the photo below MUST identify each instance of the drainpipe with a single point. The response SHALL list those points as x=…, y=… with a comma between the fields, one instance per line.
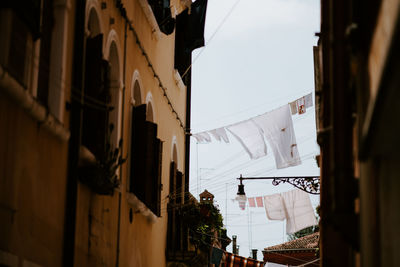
x=76, y=132
x=188, y=79
x=122, y=147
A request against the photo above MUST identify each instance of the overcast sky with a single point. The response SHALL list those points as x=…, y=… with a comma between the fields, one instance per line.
x=259, y=59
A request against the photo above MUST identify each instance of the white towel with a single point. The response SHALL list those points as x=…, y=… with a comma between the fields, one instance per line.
x=250, y=137
x=301, y=105
x=202, y=138
x=274, y=207
x=277, y=127
x=293, y=107
x=308, y=100
x=219, y=134
x=298, y=210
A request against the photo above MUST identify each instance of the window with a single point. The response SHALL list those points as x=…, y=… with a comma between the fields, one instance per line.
x=162, y=13
x=146, y=158
x=45, y=50
x=97, y=98
x=176, y=234
x=33, y=49
x=16, y=44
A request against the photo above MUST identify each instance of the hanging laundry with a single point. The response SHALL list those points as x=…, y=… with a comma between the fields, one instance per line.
x=301, y=105
x=308, y=100
x=293, y=107
x=252, y=202
x=216, y=256
x=277, y=127
x=259, y=201
x=274, y=207
x=202, y=138
x=250, y=137
x=219, y=134
x=298, y=210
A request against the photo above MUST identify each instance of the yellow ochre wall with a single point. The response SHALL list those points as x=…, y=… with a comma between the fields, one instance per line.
x=141, y=242
x=33, y=161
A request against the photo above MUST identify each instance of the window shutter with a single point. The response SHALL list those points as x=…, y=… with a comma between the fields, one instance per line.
x=158, y=176
x=162, y=13
x=95, y=115
x=138, y=150
x=150, y=167
x=171, y=207
x=172, y=179
x=45, y=47
x=179, y=188
x=17, y=56
x=28, y=11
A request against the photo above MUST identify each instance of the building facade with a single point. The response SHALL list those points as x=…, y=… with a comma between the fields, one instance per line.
x=357, y=66
x=95, y=116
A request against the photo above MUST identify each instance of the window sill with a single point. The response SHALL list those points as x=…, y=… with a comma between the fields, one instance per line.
x=26, y=101
x=140, y=207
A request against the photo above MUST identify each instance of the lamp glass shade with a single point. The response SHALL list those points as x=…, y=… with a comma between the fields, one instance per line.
x=241, y=199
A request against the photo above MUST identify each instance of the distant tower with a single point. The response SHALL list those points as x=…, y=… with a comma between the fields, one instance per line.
x=206, y=197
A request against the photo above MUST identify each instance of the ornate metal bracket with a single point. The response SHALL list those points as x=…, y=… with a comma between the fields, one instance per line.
x=309, y=184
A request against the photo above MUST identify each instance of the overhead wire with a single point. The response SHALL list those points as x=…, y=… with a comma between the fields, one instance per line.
x=212, y=36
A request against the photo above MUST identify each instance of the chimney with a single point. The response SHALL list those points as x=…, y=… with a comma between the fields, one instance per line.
x=234, y=248
x=254, y=251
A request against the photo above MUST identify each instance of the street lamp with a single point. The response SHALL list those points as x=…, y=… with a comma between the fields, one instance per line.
x=241, y=195
x=309, y=184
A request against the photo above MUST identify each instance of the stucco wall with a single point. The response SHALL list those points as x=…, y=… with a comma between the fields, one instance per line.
x=141, y=242
x=33, y=167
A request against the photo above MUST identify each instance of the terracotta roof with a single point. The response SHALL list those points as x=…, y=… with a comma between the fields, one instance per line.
x=305, y=242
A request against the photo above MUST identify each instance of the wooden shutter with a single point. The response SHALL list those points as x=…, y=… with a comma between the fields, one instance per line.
x=172, y=180
x=29, y=12
x=158, y=176
x=95, y=115
x=171, y=208
x=162, y=13
x=179, y=188
x=45, y=50
x=150, y=167
x=138, y=150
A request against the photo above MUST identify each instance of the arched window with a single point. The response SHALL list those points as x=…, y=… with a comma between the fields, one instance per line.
x=145, y=156
x=115, y=93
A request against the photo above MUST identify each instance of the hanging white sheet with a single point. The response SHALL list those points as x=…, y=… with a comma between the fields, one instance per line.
x=298, y=210
x=219, y=134
x=250, y=137
x=277, y=127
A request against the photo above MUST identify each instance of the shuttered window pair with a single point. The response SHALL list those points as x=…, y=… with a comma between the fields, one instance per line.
x=146, y=158
x=175, y=232
x=97, y=98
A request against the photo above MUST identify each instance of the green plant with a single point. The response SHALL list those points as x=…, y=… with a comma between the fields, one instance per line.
x=203, y=221
x=102, y=177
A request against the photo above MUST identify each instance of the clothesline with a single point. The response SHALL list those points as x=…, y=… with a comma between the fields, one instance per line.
x=294, y=206
x=275, y=126
x=293, y=109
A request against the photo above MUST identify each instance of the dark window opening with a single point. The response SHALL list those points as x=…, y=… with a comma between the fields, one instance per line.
x=97, y=98
x=162, y=13
x=146, y=158
x=45, y=47
x=177, y=232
